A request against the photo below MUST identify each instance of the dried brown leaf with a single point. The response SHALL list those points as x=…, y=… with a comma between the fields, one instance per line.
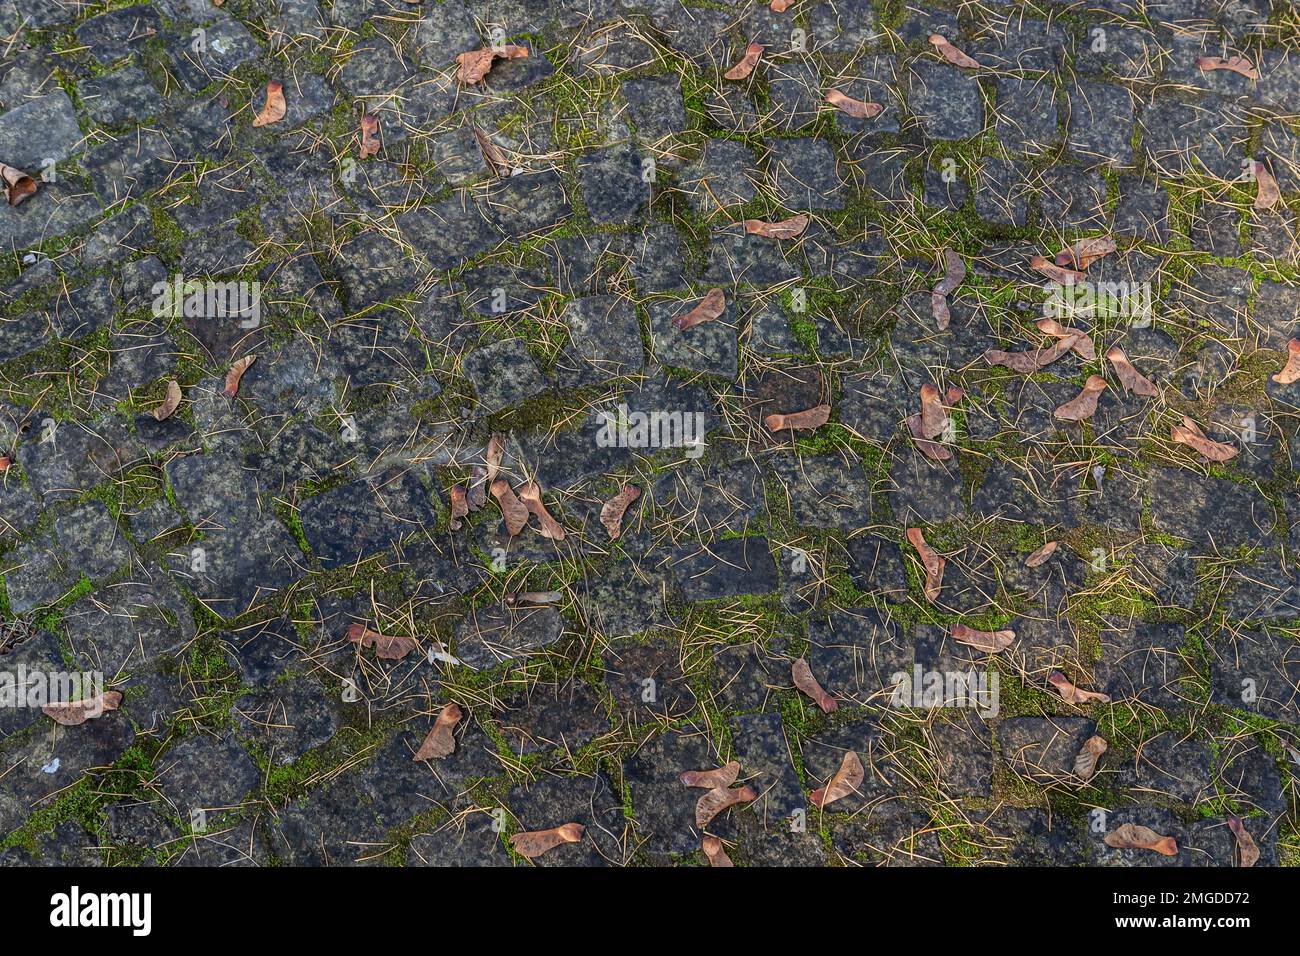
x=1041, y=555
x=858, y=109
x=76, y=712
x=1267, y=194
x=953, y=55
x=990, y=642
x=1134, y=836
x=475, y=64
x=780, y=6
x=514, y=511
x=170, y=402
x=18, y=185
x=275, y=108
x=496, y=450
x=612, y=511
x=1291, y=371
x=1030, y=360
x=709, y=308
x=1247, y=849
x=459, y=507
x=747, y=63
x=1058, y=274
x=714, y=851
x=723, y=776
x=236, y=373
x=533, y=843
x=1085, y=763
x=493, y=154
x=717, y=800
x=1190, y=433
x=845, y=781
x=932, y=561
x=791, y=228
x=1237, y=64
x=814, y=417
x=441, y=739
x=1129, y=377
x=1084, y=252
x=386, y=647
x=370, y=143
x=1080, y=340
x=1084, y=405
x=1074, y=695
x=530, y=493
x=808, y=685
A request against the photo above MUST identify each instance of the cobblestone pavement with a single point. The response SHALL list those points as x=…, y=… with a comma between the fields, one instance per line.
x=962, y=399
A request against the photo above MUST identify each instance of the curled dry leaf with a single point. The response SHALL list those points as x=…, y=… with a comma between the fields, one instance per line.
x=236, y=373
x=717, y=800
x=612, y=511
x=1080, y=340
x=1134, y=836
x=1084, y=405
x=747, y=63
x=530, y=493
x=75, y=712
x=1237, y=64
x=1085, y=764
x=514, y=511
x=1267, y=193
x=1189, y=433
x=807, y=684
x=710, y=307
x=170, y=402
x=1129, y=377
x=18, y=185
x=1074, y=695
x=441, y=739
x=275, y=108
x=939, y=309
x=858, y=109
x=533, y=843
x=933, y=562
x=1058, y=274
x=814, y=417
x=496, y=450
x=1042, y=554
x=712, y=846
x=845, y=781
x=990, y=642
x=1291, y=371
x=369, y=135
x=950, y=53
x=459, y=507
x=1085, y=252
x=791, y=228
x=475, y=64
x=535, y=598
x=1031, y=360
x=386, y=648
x=1247, y=850
x=954, y=273
x=723, y=776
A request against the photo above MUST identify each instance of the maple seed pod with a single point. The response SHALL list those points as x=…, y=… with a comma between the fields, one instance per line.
x=808, y=685
x=714, y=851
x=718, y=799
x=441, y=739
x=723, y=776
